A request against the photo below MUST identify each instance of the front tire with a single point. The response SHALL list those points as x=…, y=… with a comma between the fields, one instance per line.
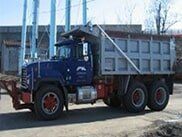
x=158, y=96
x=136, y=97
x=48, y=103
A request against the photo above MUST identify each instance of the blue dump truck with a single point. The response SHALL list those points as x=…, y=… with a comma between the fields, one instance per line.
x=123, y=69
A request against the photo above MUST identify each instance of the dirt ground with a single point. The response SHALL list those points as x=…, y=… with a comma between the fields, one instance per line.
x=164, y=129
x=93, y=121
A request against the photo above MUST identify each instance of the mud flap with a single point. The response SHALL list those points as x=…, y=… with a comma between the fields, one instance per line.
x=66, y=98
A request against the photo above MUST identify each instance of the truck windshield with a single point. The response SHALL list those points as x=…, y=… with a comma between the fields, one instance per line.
x=64, y=52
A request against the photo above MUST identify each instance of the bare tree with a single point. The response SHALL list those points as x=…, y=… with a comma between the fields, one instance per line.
x=125, y=14
x=162, y=15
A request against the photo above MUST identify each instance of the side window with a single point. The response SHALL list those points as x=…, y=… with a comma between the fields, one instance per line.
x=79, y=51
x=65, y=52
x=82, y=51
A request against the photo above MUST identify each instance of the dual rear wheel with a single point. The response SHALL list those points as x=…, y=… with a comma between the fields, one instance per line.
x=158, y=96
x=138, y=97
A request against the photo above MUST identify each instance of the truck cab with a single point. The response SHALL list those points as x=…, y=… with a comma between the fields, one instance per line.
x=73, y=66
x=67, y=77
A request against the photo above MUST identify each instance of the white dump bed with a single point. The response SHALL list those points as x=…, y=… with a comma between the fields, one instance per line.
x=149, y=56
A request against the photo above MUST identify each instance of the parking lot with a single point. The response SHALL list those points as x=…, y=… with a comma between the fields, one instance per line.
x=87, y=120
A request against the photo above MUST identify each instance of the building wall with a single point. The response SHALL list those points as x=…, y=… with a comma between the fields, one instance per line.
x=10, y=58
x=10, y=61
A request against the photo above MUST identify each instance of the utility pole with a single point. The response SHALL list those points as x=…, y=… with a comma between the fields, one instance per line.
x=53, y=29
x=23, y=38
x=34, y=29
x=68, y=16
x=84, y=12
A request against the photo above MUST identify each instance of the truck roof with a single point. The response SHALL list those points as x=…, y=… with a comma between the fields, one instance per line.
x=81, y=31
x=64, y=42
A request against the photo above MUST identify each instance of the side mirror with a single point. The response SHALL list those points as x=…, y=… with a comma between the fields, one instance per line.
x=85, y=49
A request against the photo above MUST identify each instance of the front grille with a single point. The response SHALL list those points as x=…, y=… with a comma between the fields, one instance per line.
x=24, y=78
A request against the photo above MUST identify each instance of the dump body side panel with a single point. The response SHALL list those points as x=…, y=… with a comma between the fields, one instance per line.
x=149, y=56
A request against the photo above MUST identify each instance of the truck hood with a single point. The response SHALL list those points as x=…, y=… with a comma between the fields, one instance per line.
x=44, y=68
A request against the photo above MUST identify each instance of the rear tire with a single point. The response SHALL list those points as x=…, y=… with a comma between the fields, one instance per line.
x=158, y=96
x=136, y=97
x=48, y=103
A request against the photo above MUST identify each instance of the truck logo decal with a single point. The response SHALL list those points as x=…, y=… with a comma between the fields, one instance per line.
x=81, y=69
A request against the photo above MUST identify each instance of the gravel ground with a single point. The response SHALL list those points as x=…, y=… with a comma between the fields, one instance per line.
x=165, y=129
x=91, y=120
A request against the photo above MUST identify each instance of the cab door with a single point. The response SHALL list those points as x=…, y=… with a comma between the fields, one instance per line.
x=81, y=67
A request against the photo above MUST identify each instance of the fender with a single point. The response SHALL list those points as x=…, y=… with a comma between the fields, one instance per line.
x=40, y=81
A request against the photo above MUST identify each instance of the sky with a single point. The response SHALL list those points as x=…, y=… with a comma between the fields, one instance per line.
x=99, y=11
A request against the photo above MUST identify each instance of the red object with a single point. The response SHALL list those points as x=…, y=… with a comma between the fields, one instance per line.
x=26, y=97
x=159, y=95
x=11, y=87
x=50, y=102
x=103, y=89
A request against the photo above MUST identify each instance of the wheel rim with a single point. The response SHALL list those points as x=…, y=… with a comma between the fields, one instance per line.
x=138, y=97
x=50, y=103
x=160, y=96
